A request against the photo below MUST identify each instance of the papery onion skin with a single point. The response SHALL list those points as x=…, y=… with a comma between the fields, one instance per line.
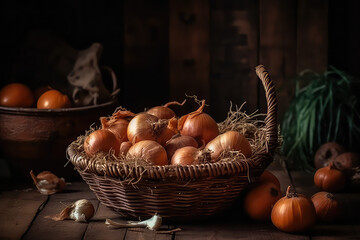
x=145, y=126
x=229, y=141
x=101, y=140
x=179, y=142
x=161, y=112
x=124, y=147
x=150, y=151
x=118, y=127
x=326, y=207
x=189, y=155
x=47, y=183
x=199, y=125
x=164, y=112
x=293, y=213
x=140, y=128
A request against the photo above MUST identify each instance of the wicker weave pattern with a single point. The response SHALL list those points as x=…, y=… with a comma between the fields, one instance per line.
x=178, y=192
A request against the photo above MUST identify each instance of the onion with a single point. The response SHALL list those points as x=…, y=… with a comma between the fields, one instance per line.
x=101, y=140
x=150, y=151
x=124, y=147
x=164, y=112
x=145, y=126
x=189, y=155
x=118, y=123
x=178, y=141
x=199, y=125
x=228, y=141
x=326, y=207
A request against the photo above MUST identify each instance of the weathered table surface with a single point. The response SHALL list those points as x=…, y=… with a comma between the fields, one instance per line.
x=24, y=212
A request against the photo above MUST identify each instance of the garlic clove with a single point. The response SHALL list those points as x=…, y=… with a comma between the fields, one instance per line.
x=80, y=211
x=152, y=223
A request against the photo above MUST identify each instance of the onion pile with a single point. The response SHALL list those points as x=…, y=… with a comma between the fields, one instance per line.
x=159, y=137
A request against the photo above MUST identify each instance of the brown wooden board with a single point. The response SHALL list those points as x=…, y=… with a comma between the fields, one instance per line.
x=97, y=228
x=189, y=49
x=234, y=48
x=312, y=35
x=43, y=227
x=17, y=210
x=277, y=49
x=145, y=74
x=348, y=224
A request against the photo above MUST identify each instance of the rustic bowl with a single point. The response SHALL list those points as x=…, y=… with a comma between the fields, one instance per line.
x=37, y=138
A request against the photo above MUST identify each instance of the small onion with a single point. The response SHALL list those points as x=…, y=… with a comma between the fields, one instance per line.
x=150, y=151
x=118, y=127
x=101, y=140
x=178, y=141
x=326, y=207
x=268, y=176
x=118, y=123
x=189, y=155
x=228, y=141
x=326, y=153
x=259, y=200
x=199, y=125
x=124, y=147
x=293, y=213
x=348, y=163
x=164, y=112
x=145, y=126
x=329, y=179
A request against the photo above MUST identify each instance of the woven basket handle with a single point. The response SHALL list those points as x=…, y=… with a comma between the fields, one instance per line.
x=271, y=116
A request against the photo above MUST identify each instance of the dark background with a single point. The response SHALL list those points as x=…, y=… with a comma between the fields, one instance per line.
x=162, y=49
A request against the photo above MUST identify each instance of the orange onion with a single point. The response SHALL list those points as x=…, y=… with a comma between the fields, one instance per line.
x=228, y=141
x=145, y=126
x=150, y=151
x=326, y=207
x=293, y=213
x=101, y=140
x=178, y=141
x=164, y=112
x=118, y=123
x=199, y=125
x=124, y=147
x=189, y=155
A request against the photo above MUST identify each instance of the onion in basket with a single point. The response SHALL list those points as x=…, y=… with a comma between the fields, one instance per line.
x=190, y=155
x=164, y=112
x=101, y=140
x=178, y=141
x=145, y=126
x=199, y=125
x=228, y=141
x=150, y=151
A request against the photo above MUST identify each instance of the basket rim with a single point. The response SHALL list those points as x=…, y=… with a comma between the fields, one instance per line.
x=259, y=160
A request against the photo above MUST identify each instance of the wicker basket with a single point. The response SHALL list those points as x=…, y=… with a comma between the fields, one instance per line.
x=178, y=192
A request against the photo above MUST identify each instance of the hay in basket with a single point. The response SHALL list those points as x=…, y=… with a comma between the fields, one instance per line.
x=183, y=192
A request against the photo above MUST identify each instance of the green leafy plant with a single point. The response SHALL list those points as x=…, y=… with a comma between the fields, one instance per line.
x=325, y=109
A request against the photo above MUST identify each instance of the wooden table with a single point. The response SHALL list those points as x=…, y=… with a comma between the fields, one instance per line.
x=24, y=212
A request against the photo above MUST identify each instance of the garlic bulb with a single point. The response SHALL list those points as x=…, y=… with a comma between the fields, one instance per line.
x=80, y=211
